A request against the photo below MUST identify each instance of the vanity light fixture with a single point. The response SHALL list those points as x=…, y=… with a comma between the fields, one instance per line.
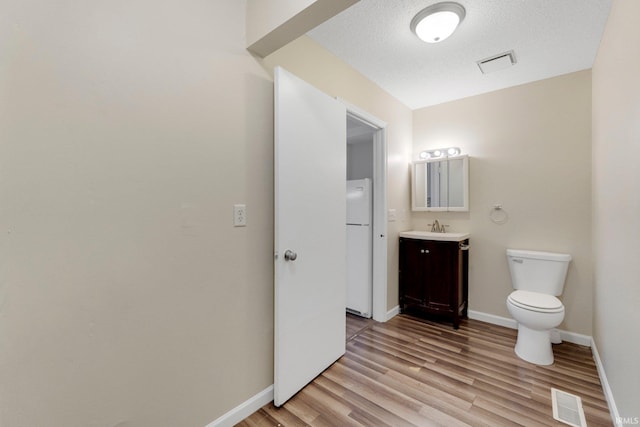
x=438, y=21
x=440, y=152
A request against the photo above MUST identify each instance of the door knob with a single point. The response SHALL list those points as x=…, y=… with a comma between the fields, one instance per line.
x=289, y=255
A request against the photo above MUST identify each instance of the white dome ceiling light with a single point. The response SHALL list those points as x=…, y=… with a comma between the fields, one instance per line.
x=438, y=21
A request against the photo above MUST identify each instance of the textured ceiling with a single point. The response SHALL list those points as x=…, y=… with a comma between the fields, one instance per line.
x=549, y=38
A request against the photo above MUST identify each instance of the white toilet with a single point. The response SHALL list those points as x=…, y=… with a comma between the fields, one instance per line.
x=537, y=277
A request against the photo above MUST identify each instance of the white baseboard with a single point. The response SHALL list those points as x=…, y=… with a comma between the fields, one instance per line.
x=507, y=322
x=608, y=394
x=245, y=409
x=393, y=312
x=580, y=339
x=493, y=319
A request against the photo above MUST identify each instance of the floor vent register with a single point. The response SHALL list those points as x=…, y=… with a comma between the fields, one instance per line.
x=567, y=408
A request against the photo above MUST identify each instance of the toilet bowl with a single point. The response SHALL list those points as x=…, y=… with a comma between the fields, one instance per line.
x=537, y=314
x=537, y=278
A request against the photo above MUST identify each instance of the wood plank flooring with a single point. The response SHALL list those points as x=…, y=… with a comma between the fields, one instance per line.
x=412, y=372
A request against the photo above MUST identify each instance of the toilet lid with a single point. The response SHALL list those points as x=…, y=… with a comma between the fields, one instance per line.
x=535, y=300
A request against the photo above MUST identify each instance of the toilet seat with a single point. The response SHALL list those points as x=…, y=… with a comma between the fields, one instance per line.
x=535, y=301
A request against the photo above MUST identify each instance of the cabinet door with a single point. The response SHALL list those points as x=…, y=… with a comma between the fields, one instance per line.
x=439, y=274
x=412, y=290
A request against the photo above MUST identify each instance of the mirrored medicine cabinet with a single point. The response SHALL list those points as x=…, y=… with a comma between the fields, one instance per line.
x=440, y=184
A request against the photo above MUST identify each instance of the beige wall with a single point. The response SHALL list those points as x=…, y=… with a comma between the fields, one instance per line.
x=530, y=150
x=127, y=298
x=271, y=24
x=616, y=212
x=128, y=131
x=308, y=60
x=264, y=16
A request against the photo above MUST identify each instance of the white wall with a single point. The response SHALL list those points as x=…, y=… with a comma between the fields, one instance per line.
x=530, y=150
x=616, y=207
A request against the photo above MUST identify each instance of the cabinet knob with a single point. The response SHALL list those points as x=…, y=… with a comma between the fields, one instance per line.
x=424, y=251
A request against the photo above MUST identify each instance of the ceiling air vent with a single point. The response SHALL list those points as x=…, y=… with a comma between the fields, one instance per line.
x=497, y=62
x=567, y=408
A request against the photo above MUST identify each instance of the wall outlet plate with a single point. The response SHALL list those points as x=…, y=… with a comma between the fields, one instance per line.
x=239, y=215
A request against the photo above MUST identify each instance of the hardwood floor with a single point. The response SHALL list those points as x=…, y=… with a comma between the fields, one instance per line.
x=411, y=372
x=357, y=324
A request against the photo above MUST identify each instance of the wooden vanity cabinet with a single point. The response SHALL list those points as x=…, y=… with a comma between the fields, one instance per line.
x=434, y=278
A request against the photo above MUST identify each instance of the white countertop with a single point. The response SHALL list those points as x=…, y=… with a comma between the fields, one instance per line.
x=430, y=235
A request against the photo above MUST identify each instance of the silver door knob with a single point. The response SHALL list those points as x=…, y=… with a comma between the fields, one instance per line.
x=289, y=255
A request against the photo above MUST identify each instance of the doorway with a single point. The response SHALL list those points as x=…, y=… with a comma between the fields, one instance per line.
x=367, y=158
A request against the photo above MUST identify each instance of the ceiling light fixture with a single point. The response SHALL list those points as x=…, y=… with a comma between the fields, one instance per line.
x=438, y=21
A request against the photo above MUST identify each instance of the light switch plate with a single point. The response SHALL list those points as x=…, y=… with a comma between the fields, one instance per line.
x=391, y=215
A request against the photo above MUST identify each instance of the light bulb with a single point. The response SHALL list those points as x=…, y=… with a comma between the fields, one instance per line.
x=437, y=27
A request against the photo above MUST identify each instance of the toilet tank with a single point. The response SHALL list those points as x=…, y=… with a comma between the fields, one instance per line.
x=534, y=271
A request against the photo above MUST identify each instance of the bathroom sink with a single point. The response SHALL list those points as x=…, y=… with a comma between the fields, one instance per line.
x=430, y=235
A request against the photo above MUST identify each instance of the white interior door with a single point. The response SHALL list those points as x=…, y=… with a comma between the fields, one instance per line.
x=310, y=223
